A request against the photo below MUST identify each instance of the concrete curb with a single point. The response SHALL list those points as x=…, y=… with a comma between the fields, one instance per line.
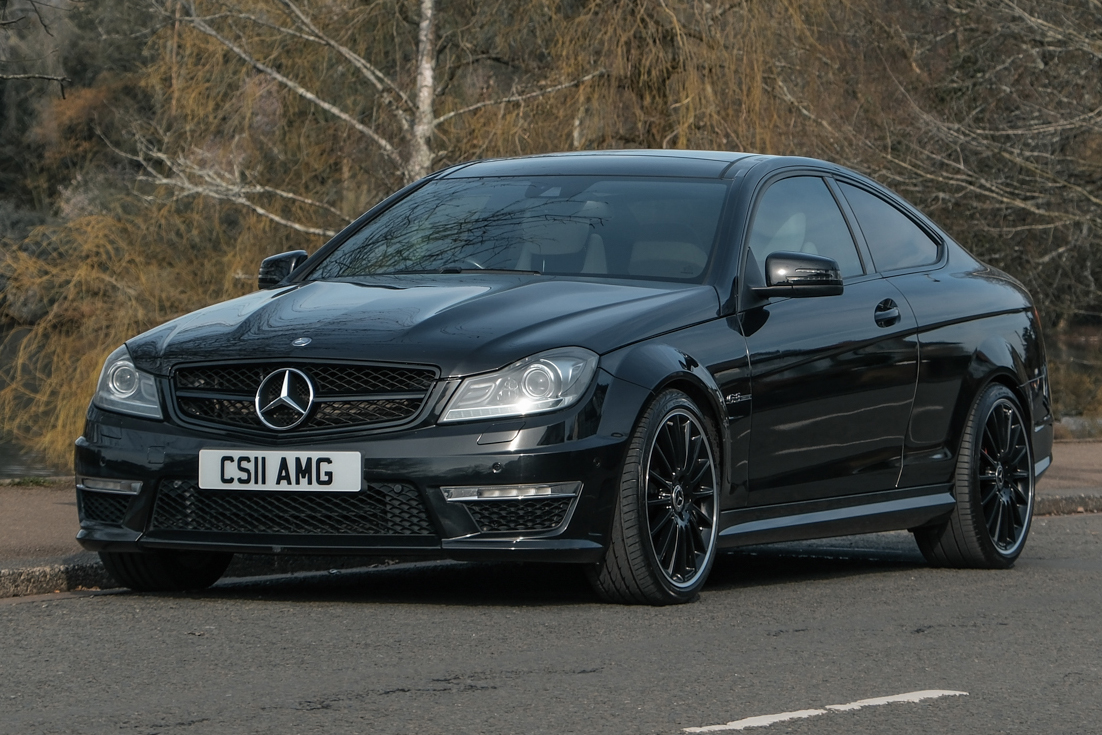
x=84, y=571
x=1089, y=501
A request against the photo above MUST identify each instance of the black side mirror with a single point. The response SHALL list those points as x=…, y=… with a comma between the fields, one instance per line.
x=800, y=275
x=277, y=267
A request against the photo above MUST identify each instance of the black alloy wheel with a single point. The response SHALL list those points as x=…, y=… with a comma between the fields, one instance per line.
x=664, y=534
x=994, y=489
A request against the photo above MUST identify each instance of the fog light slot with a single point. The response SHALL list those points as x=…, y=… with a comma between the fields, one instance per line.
x=104, y=485
x=512, y=492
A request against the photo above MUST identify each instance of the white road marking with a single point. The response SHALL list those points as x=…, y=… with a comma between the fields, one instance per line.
x=759, y=721
x=908, y=697
x=766, y=720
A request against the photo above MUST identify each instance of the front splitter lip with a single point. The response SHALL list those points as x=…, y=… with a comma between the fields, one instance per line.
x=568, y=550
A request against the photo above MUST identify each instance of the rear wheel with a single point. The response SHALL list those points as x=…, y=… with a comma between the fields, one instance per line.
x=664, y=532
x=994, y=489
x=166, y=571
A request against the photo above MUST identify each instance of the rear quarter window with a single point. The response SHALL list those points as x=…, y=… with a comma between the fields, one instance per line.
x=894, y=240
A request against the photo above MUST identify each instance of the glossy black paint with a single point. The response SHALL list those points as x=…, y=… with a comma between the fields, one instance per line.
x=837, y=414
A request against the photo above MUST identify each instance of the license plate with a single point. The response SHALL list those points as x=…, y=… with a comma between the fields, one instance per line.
x=244, y=469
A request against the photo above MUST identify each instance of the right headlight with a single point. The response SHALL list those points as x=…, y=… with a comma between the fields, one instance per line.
x=545, y=382
x=125, y=389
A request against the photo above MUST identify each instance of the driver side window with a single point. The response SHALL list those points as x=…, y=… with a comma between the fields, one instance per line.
x=799, y=215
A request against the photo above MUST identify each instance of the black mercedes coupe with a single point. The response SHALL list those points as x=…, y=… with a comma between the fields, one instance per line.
x=627, y=360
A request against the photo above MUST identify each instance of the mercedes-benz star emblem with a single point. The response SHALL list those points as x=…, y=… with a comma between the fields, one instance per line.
x=284, y=398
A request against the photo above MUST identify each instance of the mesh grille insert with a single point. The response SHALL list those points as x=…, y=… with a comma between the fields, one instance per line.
x=346, y=396
x=525, y=514
x=380, y=509
x=104, y=507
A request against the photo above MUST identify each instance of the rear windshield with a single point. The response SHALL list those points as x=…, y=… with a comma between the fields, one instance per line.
x=559, y=225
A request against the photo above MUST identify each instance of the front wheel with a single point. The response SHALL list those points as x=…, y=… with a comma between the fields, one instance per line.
x=663, y=538
x=164, y=570
x=994, y=490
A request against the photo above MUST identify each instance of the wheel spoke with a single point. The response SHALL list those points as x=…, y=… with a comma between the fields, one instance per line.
x=989, y=442
x=1008, y=524
x=664, y=518
x=705, y=466
x=696, y=443
x=994, y=522
x=704, y=492
x=691, y=535
x=1005, y=431
x=687, y=440
x=991, y=495
x=699, y=544
x=666, y=484
x=1020, y=496
x=669, y=434
x=703, y=520
x=1015, y=437
x=663, y=549
x=1016, y=520
x=675, y=549
x=660, y=454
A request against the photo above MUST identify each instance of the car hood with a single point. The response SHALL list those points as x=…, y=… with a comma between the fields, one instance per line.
x=461, y=324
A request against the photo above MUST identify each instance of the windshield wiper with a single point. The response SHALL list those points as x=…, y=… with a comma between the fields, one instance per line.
x=457, y=269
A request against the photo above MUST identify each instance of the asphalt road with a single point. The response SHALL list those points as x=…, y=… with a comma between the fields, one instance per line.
x=449, y=648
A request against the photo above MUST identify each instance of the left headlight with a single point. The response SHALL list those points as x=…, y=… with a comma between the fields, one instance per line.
x=545, y=382
x=124, y=388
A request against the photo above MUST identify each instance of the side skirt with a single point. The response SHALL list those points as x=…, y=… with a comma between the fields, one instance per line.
x=867, y=513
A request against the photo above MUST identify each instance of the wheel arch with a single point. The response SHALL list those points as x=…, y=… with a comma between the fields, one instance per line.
x=657, y=367
x=994, y=361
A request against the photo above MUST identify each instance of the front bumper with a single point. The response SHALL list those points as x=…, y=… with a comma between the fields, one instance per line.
x=403, y=472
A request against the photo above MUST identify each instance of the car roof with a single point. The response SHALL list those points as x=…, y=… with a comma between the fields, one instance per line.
x=638, y=162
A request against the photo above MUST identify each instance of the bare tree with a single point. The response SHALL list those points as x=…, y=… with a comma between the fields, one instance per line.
x=410, y=87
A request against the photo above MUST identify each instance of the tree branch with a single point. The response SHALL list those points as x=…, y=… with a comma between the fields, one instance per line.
x=47, y=77
x=382, y=82
x=519, y=97
x=387, y=147
x=218, y=185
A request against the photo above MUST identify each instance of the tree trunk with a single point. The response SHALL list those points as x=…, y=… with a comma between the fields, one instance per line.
x=420, y=159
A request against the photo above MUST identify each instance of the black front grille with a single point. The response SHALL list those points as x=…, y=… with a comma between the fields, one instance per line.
x=104, y=507
x=379, y=509
x=346, y=396
x=524, y=514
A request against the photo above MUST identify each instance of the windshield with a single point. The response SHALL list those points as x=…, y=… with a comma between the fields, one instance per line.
x=559, y=225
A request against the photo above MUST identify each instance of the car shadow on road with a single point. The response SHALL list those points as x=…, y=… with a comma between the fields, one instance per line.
x=529, y=584
x=776, y=564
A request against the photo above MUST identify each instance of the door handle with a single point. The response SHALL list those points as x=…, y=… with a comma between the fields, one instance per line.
x=887, y=313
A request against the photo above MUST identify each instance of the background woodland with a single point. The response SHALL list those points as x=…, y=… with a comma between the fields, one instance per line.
x=153, y=151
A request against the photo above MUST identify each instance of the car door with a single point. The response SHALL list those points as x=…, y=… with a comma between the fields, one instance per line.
x=833, y=378
x=911, y=257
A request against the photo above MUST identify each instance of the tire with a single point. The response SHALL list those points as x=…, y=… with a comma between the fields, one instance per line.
x=663, y=539
x=166, y=571
x=994, y=488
